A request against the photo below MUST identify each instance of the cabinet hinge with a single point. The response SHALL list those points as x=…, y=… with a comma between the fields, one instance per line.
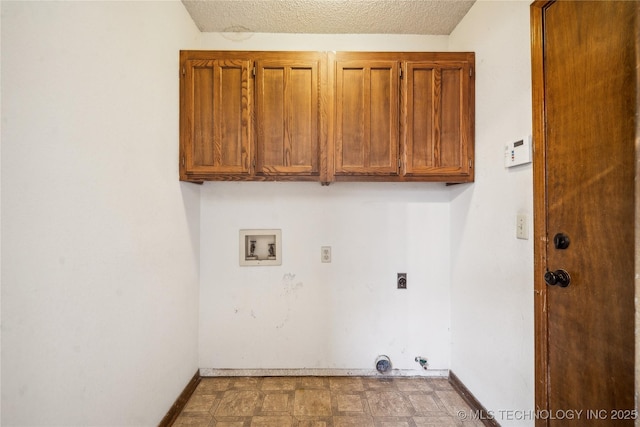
x=470, y=163
x=183, y=71
x=183, y=161
x=470, y=71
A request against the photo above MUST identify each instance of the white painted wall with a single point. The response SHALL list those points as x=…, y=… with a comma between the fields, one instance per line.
x=100, y=240
x=306, y=314
x=492, y=272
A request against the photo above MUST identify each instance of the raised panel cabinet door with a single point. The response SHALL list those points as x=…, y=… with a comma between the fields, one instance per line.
x=367, y=118
x=215, y=118
x=438, y=124
x=287, y=117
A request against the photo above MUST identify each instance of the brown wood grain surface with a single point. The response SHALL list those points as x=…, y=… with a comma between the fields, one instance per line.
x=288, y=116
x=585, y=132
x=327, y=116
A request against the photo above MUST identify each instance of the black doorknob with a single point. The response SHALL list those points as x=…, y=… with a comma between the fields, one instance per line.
x=559, y=277
x=561, y=241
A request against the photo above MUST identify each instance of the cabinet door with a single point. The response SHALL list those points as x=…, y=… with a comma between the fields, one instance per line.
x=287, y=117
x=367, y=124
x=215, y=115
x=438, y=123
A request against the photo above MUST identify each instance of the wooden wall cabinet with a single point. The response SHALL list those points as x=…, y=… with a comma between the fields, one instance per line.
x=315, y=116
x=251, y=115
x=438, y=131
x=366, y=113
x=215, y=122
x=404, y=116
x=288, y=116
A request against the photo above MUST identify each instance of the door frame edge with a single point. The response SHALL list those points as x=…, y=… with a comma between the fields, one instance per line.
x=540, y=220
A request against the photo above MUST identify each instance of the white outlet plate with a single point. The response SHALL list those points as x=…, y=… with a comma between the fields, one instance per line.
x=325, y=254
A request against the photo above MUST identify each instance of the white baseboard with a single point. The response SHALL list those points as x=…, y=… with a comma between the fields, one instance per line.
x=310, y=372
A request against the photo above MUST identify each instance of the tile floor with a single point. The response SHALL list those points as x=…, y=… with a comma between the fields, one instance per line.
x=325, y=402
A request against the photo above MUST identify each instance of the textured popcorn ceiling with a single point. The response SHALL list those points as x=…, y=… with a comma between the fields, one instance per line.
x=328, y=16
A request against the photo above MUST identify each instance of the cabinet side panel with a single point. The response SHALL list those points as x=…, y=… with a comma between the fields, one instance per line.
x=352, y=119
x=302, y=148
x=203, y=135
x=271, y=117
x=382, y=137
x=229, y=142
x=421, y=130
x=450, y=136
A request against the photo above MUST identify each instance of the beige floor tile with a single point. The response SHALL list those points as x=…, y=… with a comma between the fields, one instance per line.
x=452, y=401
x=312, y=403
x=216, y=422
x=238, y=403
x=275, y=402
x=379, y=383
x=324, y=402
x=440, y=384
x=279, y=383
x=391, y=423
x=413, y=384
x=346, y=384
x=212, y=385
x=349, y=403
x=389, y=404
x=312, y=423
x=193, y=419
x=353, y=421
x=252, y=383
x=278, y=421
x=436, y=422
x=314, y=382
x=472, y=423
x=423, y=403
x=200, y=403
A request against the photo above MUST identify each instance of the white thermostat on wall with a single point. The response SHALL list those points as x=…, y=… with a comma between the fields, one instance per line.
x=518, y=152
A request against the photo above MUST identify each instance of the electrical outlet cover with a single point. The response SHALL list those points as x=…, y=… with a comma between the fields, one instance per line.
x=402, y=281
x=325, y=254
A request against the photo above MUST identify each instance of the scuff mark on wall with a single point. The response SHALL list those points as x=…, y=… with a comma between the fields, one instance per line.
x=290, y=287
x=284, y=321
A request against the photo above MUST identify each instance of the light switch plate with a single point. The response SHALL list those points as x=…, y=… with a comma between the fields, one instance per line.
x=522, y=226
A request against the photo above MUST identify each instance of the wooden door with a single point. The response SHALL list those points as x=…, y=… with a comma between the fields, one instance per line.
x=438, y=131
x=215, y=118
x=287, y=117
x=367, y=121
x=584, y=87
